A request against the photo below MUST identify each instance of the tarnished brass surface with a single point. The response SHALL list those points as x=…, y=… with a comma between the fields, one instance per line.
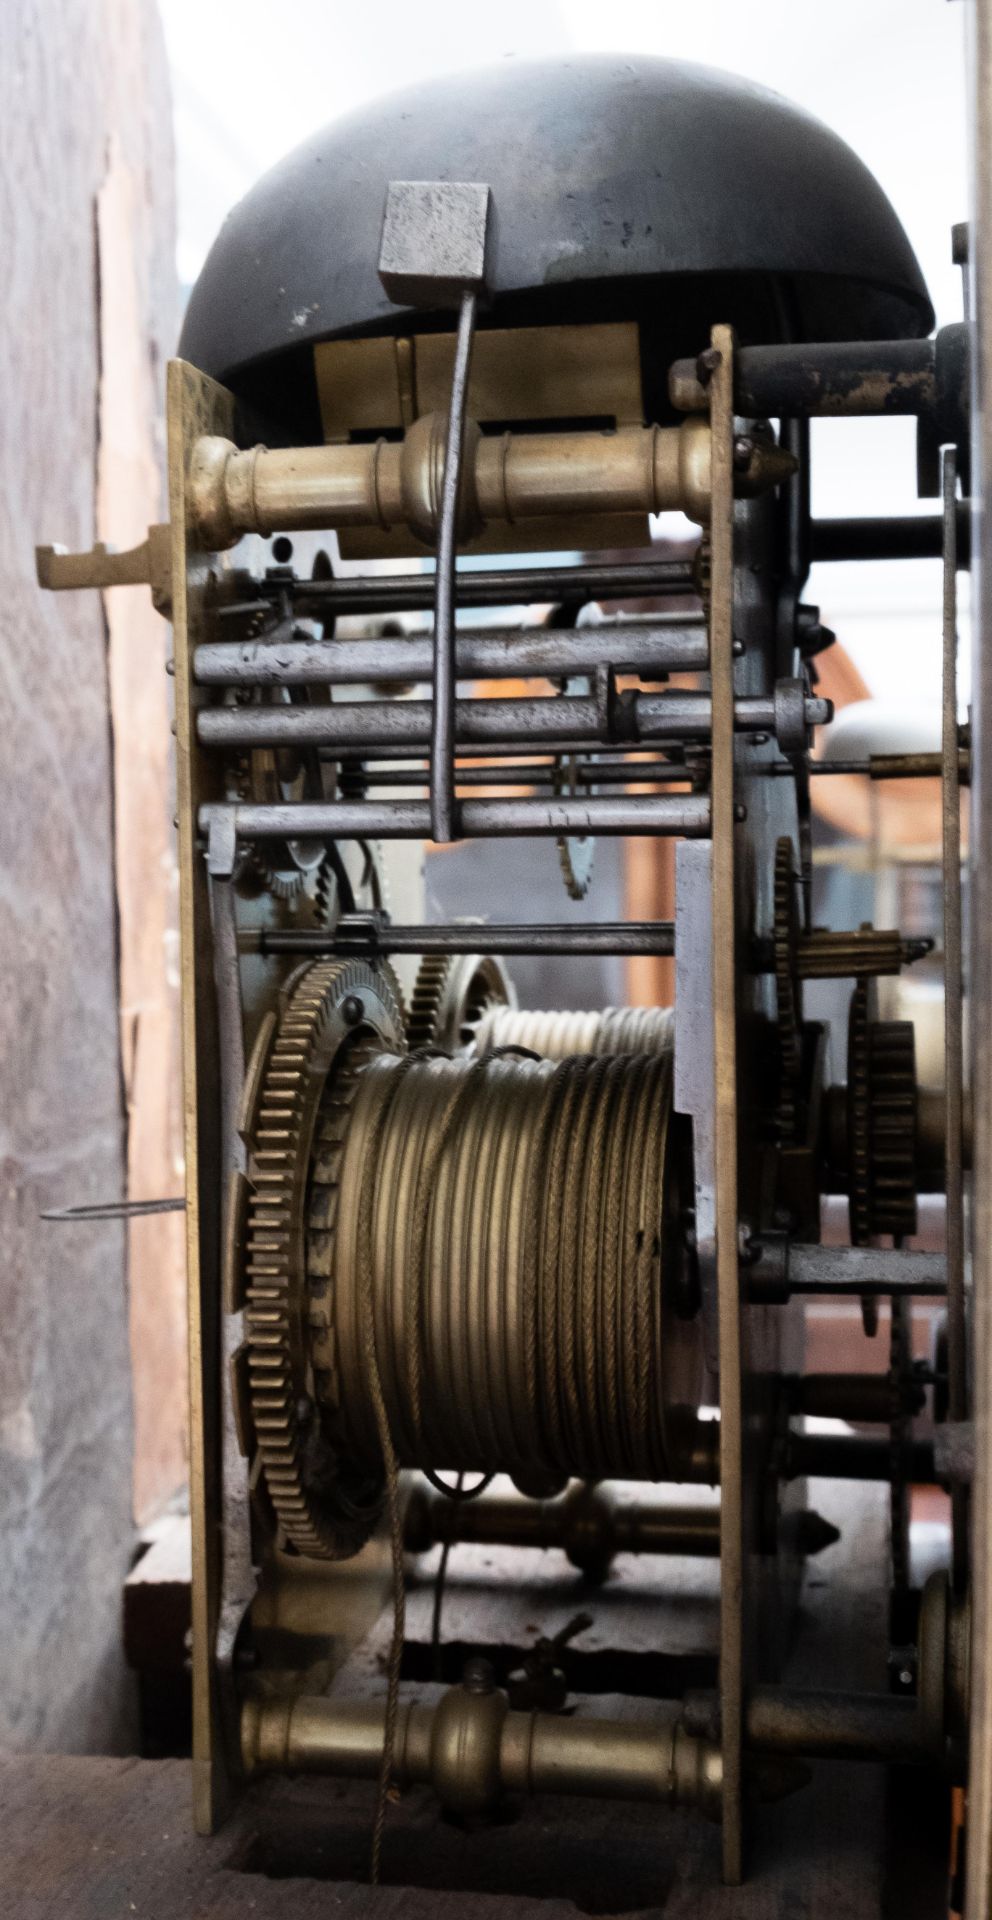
x=472, y=1748
x=589, y=1524
x=516, y=1255
x=518, y=373
x=224, y=1570
x=387, y=484
x=508, y=478
x=149, y=564
x=567, y=374
x=310, y=1614
x=453, y=995
x=519, y=1243
x=338, y=1006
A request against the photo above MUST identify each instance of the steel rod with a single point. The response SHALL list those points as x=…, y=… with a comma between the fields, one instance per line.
x=852, y=1271
x=546, y=719
x=822, y=1724
x=824, y=379
x=851, y=1396
x=503, y=587
x=855, y=1456
x=541, y=774
x=506, y=749
x=908, y=536
x=638, y=937
x=587, y=1524
x=684, y=814
x=506, y=653
x=881, y=766
x=442, y=801
x=826, y=1456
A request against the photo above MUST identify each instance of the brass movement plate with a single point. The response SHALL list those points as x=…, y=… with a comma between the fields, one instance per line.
x=518, y=373
x=317, y=1613
x=580, y=374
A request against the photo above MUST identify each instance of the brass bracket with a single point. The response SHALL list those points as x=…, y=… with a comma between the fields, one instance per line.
x=147, y=565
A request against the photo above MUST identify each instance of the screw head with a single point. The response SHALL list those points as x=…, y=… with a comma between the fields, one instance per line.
x=351, y=1010
x=478, y=1675
x=706, y=365
x=743, y=452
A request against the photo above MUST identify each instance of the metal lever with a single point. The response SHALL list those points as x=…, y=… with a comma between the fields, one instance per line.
x=432, y=253
x=540, y=1683
x=147, y=565
x=443, y=803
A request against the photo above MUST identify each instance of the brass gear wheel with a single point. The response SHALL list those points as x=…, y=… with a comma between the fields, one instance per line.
x=289, y=884
x=265, y=775
x=788, y=991
x=452, y=996
x=336, y=1015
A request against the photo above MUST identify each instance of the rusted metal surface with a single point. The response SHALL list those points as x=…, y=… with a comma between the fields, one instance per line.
x=545, y=720
x=371, y=938
x=928, y=379
x=925, y=378
x=480, y=819
x=496, y=587
x=509, y=653
x=845, y=377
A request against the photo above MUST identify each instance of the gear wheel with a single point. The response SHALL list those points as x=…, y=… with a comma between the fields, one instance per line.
x=452, y=996
x=289, y=884
x=267, y=776
x=892, y=1104
x=881, y=1121
x=881, y=1128
x=325, y=893
x=788, y=991
x=336, y=1014
x=858, y=1116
